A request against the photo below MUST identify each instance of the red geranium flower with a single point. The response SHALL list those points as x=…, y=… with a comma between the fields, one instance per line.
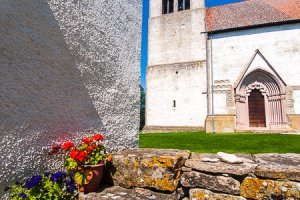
x=74, y=153
x=78, y=155
x=82, y=156
x=87, y=140
x=68, y=145
x=98, y=137
x=94, y=146
x=89, y=148
x=54, y=149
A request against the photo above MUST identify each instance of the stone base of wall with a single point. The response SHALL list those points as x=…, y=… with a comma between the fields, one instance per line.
x=165, y=129
x=294, y=121
x=164, y=174
x=223, y=123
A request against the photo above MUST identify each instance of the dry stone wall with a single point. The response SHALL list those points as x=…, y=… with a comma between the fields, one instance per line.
x=177, y=174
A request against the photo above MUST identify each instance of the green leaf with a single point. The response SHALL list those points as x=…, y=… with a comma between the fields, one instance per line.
x=70, y=164
x=83, y=147
x=81, y=177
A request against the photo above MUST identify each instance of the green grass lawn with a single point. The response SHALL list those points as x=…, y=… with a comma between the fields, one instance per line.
x=229, y=142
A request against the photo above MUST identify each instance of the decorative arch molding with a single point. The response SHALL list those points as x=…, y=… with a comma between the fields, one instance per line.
x=273, y=90
x=256, y=86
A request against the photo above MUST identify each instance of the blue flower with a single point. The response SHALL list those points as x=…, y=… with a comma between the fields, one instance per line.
x=22, y=194
x=57, y=176
x=70, y=183
x=34, y=181
x=46, y=173
x=72, y=188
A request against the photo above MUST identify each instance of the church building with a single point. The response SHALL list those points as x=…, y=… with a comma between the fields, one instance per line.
x=229, y=68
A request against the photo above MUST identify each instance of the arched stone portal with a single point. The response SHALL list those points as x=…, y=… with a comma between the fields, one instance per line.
x=260, y=102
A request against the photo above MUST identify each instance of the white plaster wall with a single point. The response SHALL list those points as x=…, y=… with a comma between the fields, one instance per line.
x=220, y=105
x=155, y=8
x=186, y=87
x=176, y=37
x=280, y=45
x=297, y=101
x=66, y=66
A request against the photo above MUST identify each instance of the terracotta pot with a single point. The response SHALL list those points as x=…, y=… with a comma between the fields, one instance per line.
x=97, y=174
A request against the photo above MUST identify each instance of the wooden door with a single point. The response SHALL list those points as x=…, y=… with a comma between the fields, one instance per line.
x=257, y=114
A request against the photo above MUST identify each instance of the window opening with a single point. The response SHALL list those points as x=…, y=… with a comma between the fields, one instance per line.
x=174, y=104
x=167, y=6
x=183, y=5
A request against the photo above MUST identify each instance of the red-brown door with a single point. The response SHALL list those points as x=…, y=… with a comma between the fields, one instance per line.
x=257, y=114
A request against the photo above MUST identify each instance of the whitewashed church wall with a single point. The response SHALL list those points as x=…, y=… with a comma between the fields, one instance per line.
x=220, y=106
x=66, y=66
x=164, y=87
x=297, y=101
x=176, y=37
x=280, y=45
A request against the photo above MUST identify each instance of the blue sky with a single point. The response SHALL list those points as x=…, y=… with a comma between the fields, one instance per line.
x=208, y=3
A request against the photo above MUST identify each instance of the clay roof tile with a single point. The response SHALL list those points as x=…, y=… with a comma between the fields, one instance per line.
x=251, y=13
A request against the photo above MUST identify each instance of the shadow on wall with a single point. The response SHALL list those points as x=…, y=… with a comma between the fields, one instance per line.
x=42, y=93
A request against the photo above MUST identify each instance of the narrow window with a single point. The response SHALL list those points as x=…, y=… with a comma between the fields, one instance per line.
x=187, y=4
x=171, y=6
x=180, y=5
x=174, y=104
x=183, y=5
x=167, y=6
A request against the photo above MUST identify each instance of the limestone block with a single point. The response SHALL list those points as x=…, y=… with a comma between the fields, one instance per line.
x=278, y=166
x=120, y=193
x=201, y=194
x=255, y=188
x=151, y=168
x=245, y=157
x=221, y=167
x=223, y=123
x=229, y=158
x=214, y=183
x=295, y=122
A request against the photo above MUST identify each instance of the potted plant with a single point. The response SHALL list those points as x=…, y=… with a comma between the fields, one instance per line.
x=86, y=162
x=58, y=185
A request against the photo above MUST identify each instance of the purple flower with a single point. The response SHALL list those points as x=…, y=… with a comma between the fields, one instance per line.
x=57, y=176
x=72, y=189
x=22, y=194
x=70, y=183
x=46, y=173
x=34, y=181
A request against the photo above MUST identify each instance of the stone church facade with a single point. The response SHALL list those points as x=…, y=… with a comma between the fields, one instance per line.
x=228, y=68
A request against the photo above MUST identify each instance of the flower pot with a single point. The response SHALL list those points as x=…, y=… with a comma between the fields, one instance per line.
x=97, y=174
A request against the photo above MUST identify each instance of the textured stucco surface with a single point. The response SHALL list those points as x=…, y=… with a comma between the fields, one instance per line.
x=66, y=66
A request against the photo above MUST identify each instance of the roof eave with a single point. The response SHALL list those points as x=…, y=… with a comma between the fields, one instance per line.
x=254, y=26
